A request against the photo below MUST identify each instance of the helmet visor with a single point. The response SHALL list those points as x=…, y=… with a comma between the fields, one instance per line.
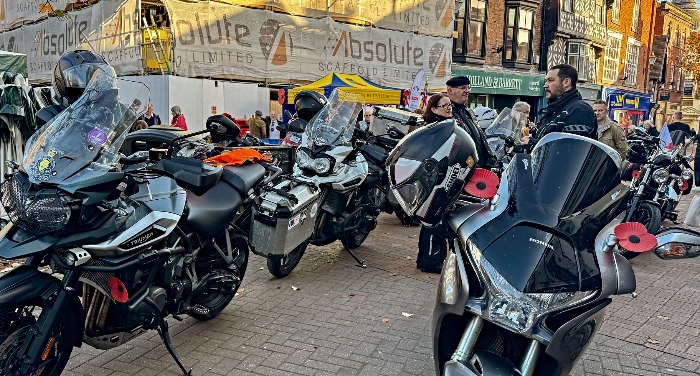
x=412, y=192
x=78, y=76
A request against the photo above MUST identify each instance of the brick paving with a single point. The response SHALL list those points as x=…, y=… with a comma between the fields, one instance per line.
x=346, y=320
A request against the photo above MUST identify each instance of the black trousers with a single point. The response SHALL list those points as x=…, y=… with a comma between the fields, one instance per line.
x=432, y=247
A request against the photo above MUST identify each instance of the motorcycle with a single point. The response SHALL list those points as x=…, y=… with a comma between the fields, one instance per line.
x=659, y=177
x=133, y=245
x=332, y=171
x=524, y=289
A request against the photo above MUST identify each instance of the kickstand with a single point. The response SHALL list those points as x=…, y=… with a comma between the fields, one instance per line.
x=359, y=263
x=165, y=336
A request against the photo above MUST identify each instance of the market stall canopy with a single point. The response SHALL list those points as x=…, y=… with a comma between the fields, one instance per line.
x=13, y=63
x=365, y=90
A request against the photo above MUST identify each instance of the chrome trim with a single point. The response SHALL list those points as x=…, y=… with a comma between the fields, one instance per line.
x=678, y=235
x=606, y=260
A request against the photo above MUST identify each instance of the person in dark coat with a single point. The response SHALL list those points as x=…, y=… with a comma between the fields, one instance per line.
x=149, y=116
x=458, y=89
x=650, y=128
x=566, y=111
x=678, y=124
x=439, y=108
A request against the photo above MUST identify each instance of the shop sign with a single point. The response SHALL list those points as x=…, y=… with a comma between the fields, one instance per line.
x=664, y=96
x=503, y=83
x=628, y=100
x=688, y=88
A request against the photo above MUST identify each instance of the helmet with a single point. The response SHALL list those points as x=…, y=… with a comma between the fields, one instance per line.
x=429, y=167
x=485, y=116
x=308, y=103
x=72, y=74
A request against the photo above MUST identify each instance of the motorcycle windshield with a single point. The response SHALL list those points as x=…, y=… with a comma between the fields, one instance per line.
x=335, y=123
x=88, y=134
x=503, y=125
x=560, y=198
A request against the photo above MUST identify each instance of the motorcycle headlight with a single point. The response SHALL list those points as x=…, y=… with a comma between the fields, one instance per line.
x=660, y=175
x=686, y=175
x=322, y=165
x=515, y=309
x=303, y=158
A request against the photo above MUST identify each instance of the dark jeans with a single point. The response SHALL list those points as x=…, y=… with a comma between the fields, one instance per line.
x=432, y=247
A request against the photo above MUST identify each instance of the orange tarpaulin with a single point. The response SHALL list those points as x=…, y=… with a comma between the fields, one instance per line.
x=237, y=157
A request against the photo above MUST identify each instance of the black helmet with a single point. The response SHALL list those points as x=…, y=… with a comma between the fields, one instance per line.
x=429, y=168
x=72, y=73
x=308, y=103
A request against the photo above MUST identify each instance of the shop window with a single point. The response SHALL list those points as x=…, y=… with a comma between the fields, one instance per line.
x=616, y=12
x=612, y=57
x=635, y=16
x=632, y=60
x=568, y=5
x=518, y=35
x=476, y=100
x=470, y=25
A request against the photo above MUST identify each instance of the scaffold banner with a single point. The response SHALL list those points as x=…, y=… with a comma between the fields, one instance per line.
x=224, y=40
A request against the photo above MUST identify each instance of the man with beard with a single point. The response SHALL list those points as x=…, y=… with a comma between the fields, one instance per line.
x=566, y=111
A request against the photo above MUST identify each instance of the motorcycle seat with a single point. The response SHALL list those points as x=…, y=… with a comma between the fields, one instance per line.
x=244, y=177
x=210, y=212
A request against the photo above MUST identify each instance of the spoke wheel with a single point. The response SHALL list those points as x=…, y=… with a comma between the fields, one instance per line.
x=15, y=323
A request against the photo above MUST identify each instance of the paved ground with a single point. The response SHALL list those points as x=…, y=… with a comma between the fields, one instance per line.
x=332, y=318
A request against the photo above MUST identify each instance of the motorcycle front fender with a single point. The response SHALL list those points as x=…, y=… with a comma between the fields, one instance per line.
x=26, y=283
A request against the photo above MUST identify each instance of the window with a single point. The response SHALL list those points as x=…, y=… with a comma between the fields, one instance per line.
x=470, y=24
x=683, y=41
x=670, y=77
x=518, y=38
x=599, y=14
x=616, y=11
x=676, y=38
x=612, y=57
x=632, y=60
x=568, y=5
x=575, y=55
x=635, y=16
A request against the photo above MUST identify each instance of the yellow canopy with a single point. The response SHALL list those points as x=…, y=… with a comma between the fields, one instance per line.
x=365, y=90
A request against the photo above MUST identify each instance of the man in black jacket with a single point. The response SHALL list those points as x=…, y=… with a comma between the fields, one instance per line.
x=458, y=89
x=566, y=111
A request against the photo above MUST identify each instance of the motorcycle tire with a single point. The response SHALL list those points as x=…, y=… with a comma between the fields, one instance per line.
x=650, y=216
x=215, y=304
x=15, y=322
x=280, y=267
x=358, y=236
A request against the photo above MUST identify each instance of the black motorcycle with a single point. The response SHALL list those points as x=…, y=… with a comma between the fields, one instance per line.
x=529, y=275
x=658, y=177
x=134, y=245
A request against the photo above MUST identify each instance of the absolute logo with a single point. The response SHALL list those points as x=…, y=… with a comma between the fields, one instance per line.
x=370, y=50
x=52, y=43
x=438, y=60
x=273, y=37
x=443, y=12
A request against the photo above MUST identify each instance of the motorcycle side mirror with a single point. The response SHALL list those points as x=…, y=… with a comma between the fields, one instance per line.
x=395, y=133
x=222, y=126
x=297, y=125
x=678, y=243
x=287, y=114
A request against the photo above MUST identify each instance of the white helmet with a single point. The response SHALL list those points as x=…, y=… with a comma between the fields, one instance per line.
x=485, y=116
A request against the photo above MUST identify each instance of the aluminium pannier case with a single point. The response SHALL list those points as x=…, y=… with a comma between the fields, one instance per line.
x=402, y=120
x=282, y=221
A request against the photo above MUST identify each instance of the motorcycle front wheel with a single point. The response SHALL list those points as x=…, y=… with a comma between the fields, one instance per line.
x=280, y=267
x=15, y=323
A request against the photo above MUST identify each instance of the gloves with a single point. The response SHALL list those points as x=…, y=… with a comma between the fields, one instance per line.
x=509, y=142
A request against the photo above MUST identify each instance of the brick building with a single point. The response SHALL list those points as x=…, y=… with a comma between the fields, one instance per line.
x=497, y=46
x=625, y=70
x=672, y=26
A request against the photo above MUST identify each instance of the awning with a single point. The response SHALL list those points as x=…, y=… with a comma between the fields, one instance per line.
x=13, y=63
x=365, y=90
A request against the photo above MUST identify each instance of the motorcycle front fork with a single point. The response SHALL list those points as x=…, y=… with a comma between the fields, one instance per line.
x=637, y=195
x=465, y=348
